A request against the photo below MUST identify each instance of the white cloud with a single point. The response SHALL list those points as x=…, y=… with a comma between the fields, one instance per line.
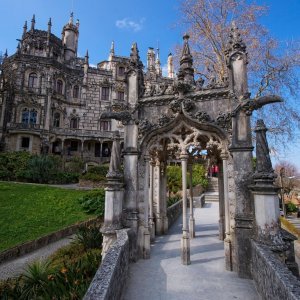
x=129, y=24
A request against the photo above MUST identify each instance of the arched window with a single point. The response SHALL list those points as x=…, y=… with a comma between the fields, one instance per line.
x=29, y=116
x=56, y=119
x=32, y=80
x=120, y=95
x=76, y=92
x=74, y=122
x=121, y=71
x=59, y=86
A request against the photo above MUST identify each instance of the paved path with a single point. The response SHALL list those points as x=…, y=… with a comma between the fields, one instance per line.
x=16, y=266
x=163, y=277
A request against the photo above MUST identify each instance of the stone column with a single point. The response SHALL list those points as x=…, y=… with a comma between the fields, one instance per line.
x=151, y=191
x=114, y=195
x=146, y=250
x=185, y=240
x=163, y=197
x=131, y=172
x=82, y=148
x=157, y=198
x=221, y=203
x=266, y=200
x=48, y=112
x=191, y=219
x=227, y=240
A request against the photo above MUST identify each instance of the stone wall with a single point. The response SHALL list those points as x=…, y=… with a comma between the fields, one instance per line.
x=272, y=278
x=173, y=212
x=110, y=278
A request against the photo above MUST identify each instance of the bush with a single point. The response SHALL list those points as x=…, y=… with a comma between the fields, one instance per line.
x=93, y=202
x=13, y=164
x=74, y=165
x=65, y=178
x=100, y=170
x=93, y=177
x=174, y=177
x=89, y=237
x=173, y=200
x=199, y=175
x=291, y=207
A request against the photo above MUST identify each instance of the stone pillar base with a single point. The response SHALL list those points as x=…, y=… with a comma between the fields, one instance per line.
x=146, y=250
x=166, y=224
x=159, y=226
x=185, y=249
x=221, y=229
x=152, y=230
x=228, y=254
x=108, y=240
x=192, y=227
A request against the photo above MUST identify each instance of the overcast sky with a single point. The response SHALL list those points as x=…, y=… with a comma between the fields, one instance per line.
x=126, y=21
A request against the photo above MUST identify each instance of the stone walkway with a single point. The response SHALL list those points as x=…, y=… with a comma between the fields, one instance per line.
x=17, y=266
x=163, y=277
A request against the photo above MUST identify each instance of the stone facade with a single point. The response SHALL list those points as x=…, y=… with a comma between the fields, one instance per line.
x=51, y=100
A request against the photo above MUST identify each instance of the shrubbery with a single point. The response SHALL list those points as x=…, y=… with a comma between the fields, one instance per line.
x=23, y=166
x=290, y=207
x=96, y=173
x=93, y=202
x=65, y=275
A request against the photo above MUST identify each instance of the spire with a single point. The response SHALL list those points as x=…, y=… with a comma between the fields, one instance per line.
x=157, y=63
x=111, y=51
x=86, y=58
x=186, y=70
x=77, y=23
x=170, y=66
x=32, y=23
x=24, y=29
x=235, y=40
x=134, y=55
x=5, y=54
x=19, y=47
x=150, y=59
x=71, y=18
x=49, y=25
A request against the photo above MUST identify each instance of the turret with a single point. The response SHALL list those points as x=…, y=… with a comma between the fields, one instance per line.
x=112, y=51
x=157, y=64
x=170, y=66
x=70, y=36
x=32, y=23
x=150, y=60
x=24, y=29
x=86, y=68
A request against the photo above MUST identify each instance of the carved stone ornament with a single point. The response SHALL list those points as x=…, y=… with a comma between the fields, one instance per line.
x=123, y=116
x=175, y=106
x=224, y=121
x=188, y=105
x=145, y=126
x=164, y=120
x=202, y=117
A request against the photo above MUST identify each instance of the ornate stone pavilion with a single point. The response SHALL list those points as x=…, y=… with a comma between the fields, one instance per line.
x=53, y=101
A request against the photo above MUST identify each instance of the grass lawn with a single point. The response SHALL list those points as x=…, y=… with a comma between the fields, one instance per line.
x=31, y=211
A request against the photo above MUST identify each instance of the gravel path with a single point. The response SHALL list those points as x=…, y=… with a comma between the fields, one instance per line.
x=16, y=266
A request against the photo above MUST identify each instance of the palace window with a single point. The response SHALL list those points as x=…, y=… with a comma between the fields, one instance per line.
x=25, y=141
x=76, y=92
x=74, y=123
x=32, y=80
x=120, y=96
x=29, y=116
x=105, y=93
x=56, y=119
x=74, y=146
x=59, y=86
x=104, y=125
x=121, y=71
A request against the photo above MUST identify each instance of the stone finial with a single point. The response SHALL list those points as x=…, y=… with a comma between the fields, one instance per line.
x=77, y=23
x=264, y=170
x=170, y=66
x=186, y=70
x=157, y=63
x=71, y=20
x=32, y=23
x=49, y=25
x=235, y=40
x=24, y=29
x=150, y=59
x=134, y=55
x=86, y=58
x=112, y=48
x=5, y=54
x=115, y=160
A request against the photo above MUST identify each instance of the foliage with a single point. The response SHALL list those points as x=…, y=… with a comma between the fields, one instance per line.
x=65, y=275
x=174, y=176
x=29, y=211
x=93, y=177
x=172, y=200
x=93, y=202
x=74, y=165
x=65, y=178
x=199, y=176
x=101, y=170
x=13, y=164
x=290, y=207
x=273, y=65
x=89, y=237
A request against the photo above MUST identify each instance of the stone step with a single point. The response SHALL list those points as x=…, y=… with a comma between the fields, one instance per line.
x=211, y=197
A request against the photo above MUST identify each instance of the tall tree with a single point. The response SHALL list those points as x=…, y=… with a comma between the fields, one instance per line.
x=273, y=67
